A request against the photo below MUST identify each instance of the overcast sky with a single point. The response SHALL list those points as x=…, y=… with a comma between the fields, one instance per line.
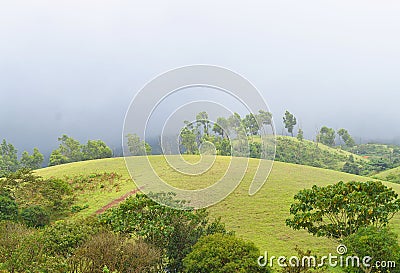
x=73, y=66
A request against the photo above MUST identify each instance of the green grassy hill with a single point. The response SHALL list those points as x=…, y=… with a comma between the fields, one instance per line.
x=259, y=218
x=291, y=150
x=392, y=175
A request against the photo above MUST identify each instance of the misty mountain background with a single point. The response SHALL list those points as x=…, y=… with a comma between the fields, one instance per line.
x=72, y=67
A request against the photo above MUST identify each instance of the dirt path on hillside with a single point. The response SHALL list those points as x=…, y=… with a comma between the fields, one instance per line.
x=117, y=201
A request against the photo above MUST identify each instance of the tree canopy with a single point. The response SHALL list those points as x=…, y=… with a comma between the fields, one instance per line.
x=290, y=121
x=71, y=150
x=339, y=210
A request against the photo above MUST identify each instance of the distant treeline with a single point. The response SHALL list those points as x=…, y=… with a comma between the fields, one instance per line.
x=69, y=150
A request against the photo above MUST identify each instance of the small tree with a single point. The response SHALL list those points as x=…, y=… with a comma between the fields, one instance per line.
x=346, y=137
x=300, y=135
x=327, y=136
x=339, y=210
x=290, y=121
x=221, y=253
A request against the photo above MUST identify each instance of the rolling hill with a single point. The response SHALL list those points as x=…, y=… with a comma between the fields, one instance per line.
x=392, y=175
x=259, y=218
x=306, y=152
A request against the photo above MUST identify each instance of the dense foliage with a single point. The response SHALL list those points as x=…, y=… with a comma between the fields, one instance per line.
x=380, y=244
x=70, y=150
x=137, y=146
x=339, y=210
x=172, y=230
x=222, y=253
x=38, y=199
x=9, y=159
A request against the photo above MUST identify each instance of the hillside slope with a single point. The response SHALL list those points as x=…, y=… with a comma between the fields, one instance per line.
x=260, y=218
x=392, y=175
x=291, y=150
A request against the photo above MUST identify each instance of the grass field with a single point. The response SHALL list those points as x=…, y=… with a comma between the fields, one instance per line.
x=259, y=218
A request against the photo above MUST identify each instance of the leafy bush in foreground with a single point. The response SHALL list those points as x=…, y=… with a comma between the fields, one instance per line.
x=222, y=253
x=380, y=244
x=172, y=230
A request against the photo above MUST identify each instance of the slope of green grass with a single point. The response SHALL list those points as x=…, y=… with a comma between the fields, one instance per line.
x=291, y=150
x=95, y=199
x=259, y=218
x=392, y=175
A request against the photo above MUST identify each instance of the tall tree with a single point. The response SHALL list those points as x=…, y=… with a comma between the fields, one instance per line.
x=264, y=118
x=202, y=120
x=137, y=146
x=250, y=125
x=96, y=149
x=188, y=139
x=290, y=121
x=346, y=137
x=56, y=158
x=8, y=158
x=221, y=127
x=70, y=148
x=327, y=136
x=33, y=161
x=235, y=123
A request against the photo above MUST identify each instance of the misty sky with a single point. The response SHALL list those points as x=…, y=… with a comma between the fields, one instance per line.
x=73, y=66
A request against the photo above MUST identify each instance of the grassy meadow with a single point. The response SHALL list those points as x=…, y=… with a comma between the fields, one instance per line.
x=259, y=218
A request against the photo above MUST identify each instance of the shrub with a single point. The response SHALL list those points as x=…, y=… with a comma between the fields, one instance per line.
x=172, y=230
x=380, y=244
x=12, y=234
x=35, y=216
x=21, y=250
x=115, y=253
x=302, y=267
x=63, y=237
x=222, y=253
x=8, y=208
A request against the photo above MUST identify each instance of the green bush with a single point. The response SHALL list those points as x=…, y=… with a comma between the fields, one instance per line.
x=12, y=234
x=63, y=237
x=35, y=216
x=380, y=244
x=223, y=253
x=172, y=230
x=21, y=250
x=114, y=253
x=8, y=208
